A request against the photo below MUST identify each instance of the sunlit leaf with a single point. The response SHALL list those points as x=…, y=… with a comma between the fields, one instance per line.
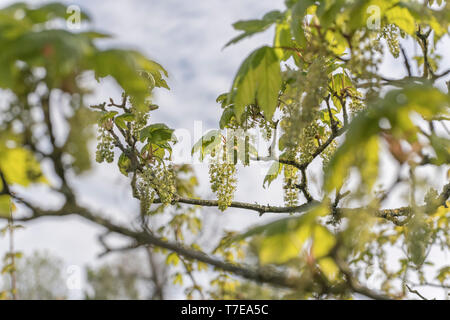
x=323, y=241
x=258, y=81
x=20, y=167
x=251, y=27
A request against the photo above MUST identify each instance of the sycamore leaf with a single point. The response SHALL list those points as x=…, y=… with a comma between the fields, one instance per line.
x=282, y=247
x=49, y=12
x=40, y=14
x=441, y=147
x=133, y=72
x=437, y=20
x=329, y=268
x=65, y=54
x=222, y=99
x=5, y=206
x=340, y=82
x=364, y=12
x=20, y=167
x=123, y=119
x=172, y=259
x=156, y=133
x=272, y=174
x=283, y=40
x=245, y=86
x=402, y=18
x=226, y=117
x=285, y=239
x=178, y=278
x=251, y=27
x=298, y=14
x=443, y=274
x=258, y=81
x=337, y=43
x=207, y=143
x=363, y=133
x=269, y=83
x=323, y=241
x=124, y=164
x=105, y=116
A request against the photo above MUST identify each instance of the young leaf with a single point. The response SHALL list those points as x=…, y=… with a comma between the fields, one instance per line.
x=5, y=206
x=258, y=81
x=124, y=164
x=19, y=166
x=206, y=143
x=272, y=174
x=121, y=121
x=156, y=133
x=251, y=27
x=298, y=14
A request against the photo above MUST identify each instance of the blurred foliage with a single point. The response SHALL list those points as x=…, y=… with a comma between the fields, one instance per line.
x=317, y=97
x=40, y=63
x=40, y=276
x=118, y=279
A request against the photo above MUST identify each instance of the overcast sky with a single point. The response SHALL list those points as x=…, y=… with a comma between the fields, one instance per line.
x=187, y=38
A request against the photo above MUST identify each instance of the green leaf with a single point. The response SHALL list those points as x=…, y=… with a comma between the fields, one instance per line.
x=121, y=121
x=443, y=274
x=126, y=68
x=178, y=278
x=5, y=206
x=363, y=133
x=340, y=82
x=157, y=133
x=95, y=35
x=226, y=117
x=159, y=150
x=40, y=14
x=19, y=166
x=282, y=247
x=124, y=164
x=258, y=80
x=107, y=115
x=172, y=259
x=298, y=14
x=206, y=143
x=441, y=147
x=269, y=83
x=49, y=12
x=284, y=239
x=283, y=39
x=272, y=174
x=360, y=14
x=323, y=242
x=329, y=268
x=402, y=18
x=251, y=27
x=328, y=13
x=369, y=170
x=66, y=54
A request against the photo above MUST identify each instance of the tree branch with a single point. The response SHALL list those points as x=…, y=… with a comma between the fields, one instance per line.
x=415, y=292
x=317, y=152
x=261, y=209
x=352, y=281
